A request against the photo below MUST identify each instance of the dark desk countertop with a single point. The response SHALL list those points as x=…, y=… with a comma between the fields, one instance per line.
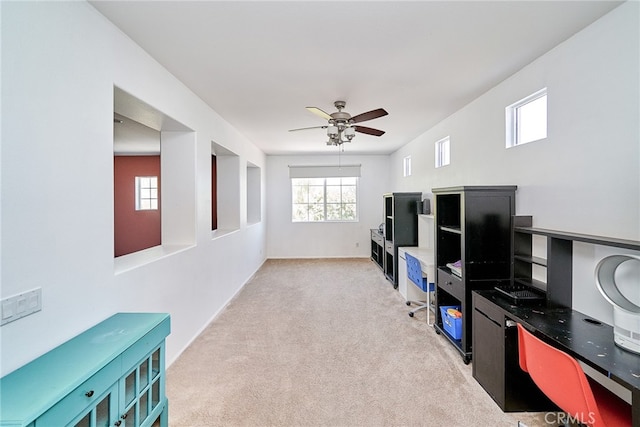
x=579, y=335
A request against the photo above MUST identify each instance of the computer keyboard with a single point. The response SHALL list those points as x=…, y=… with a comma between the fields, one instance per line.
x=519, y=293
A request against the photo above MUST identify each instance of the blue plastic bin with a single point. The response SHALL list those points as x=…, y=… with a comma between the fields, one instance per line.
x=452, y=325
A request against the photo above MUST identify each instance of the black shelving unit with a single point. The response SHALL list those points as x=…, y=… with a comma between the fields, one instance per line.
x=473, y=226
x=558, y=261
x=401, y=229
x=377, y=248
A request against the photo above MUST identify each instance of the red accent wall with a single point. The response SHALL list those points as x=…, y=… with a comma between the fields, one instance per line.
x=134, y=230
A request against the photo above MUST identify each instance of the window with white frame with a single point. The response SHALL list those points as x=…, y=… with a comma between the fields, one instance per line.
x=526, y=120
x=324, y=193
x=406, y=166
x=146, y=193
x=324, y=199
x=443, y=152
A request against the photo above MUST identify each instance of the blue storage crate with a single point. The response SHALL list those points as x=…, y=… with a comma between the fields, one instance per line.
x=414, y=272
x=452, y=325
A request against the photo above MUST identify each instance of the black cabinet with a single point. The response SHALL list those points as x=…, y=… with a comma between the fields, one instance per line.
x=400, y=228
x=377, y=248
x=488, y=355
x=473, y=247
x=495, y=361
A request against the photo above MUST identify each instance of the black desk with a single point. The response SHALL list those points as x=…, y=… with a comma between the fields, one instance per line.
x=577, y=335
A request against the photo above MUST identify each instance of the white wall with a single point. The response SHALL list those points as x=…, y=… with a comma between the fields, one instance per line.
x=60, y=62
x=286, y=239
x=585, y=177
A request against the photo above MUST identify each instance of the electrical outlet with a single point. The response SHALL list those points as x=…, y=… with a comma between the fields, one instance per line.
x=21, y=305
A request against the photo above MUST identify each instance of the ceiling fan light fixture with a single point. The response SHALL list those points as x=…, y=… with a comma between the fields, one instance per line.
x=342, y=126
x=349, y=133
x=332, y=131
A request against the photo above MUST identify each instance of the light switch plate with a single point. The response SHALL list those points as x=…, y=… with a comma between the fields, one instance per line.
x=8, y=309
x=21, y=305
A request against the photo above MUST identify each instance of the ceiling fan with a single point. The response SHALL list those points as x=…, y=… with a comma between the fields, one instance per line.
x=342, y=126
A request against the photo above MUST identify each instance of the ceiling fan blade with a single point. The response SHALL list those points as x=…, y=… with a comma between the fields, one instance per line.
x=369, y=115
x=312, y=127
x=319, y=112
x=368, y=131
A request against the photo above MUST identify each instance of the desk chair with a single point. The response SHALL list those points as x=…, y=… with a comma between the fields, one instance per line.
x=562, y=379
x=414, y=274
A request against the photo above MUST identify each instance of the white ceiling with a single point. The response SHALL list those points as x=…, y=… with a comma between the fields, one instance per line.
x=259, y=64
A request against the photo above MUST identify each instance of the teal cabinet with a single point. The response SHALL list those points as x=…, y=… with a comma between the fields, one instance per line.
x=110, y=375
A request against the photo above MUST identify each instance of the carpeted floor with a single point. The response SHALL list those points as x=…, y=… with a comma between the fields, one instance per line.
x=326, y=342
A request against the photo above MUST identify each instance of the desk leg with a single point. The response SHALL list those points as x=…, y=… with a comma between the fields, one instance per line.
x=635, y=407
x=429, y=304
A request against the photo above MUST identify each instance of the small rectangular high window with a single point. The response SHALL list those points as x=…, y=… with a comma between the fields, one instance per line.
x=526, y=120
x=443, y=152
x=406, y=166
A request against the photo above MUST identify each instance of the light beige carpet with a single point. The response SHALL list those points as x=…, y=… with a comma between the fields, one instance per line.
x=326, y=342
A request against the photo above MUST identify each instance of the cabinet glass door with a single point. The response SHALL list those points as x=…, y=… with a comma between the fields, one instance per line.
x=142, y=391
x=100, y=415
x=155, y=380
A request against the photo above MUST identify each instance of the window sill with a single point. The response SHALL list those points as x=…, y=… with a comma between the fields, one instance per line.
x=327, y=222
x=132, y=261
x=216, y=234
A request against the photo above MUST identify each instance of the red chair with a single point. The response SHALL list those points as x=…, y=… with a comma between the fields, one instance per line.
x=562, y=379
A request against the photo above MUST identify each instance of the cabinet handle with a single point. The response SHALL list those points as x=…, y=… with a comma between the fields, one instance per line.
x=124, y=416
x=117, y=423
x=89, y=393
